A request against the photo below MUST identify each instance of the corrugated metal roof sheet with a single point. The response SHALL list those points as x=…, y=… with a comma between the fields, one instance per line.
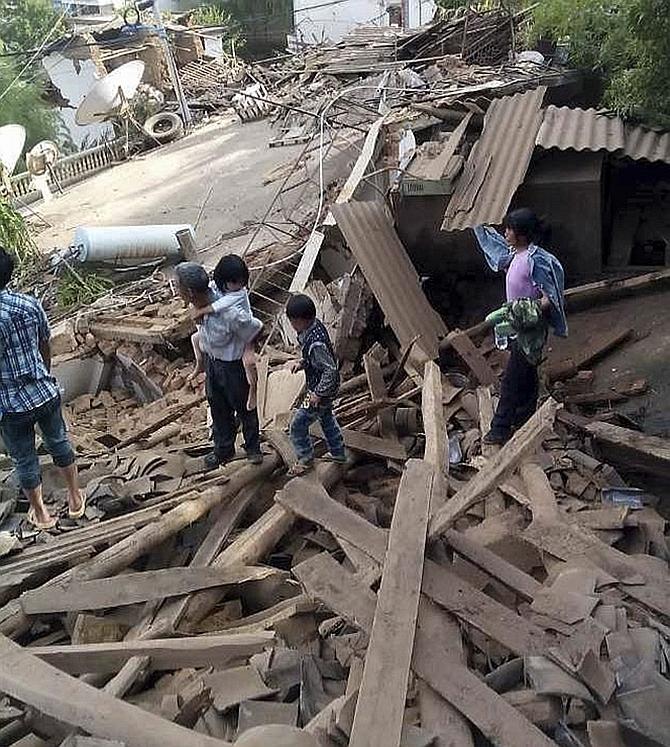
x=580, y=129
x=584, y=129
x=648, y=145
x=498, y=162
x=390, y=274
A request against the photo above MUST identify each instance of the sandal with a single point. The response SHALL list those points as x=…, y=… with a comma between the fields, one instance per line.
x=79, y=513
x=41, y=525
x=300, y=468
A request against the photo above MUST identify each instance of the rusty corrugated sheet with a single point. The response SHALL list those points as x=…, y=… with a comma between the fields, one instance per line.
x=390, y=274
x=647, y=145
x=498, y=162
x=580, y=129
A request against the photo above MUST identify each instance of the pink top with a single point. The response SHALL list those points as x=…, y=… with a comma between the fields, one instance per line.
x=519, y=283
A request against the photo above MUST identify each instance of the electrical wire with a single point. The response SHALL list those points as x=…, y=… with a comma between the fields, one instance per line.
x=34, y=57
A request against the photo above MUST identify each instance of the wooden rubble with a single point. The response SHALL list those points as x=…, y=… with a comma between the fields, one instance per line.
x=435, y=591
x=496, y=594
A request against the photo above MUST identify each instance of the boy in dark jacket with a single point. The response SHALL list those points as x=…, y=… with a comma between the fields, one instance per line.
x=323, y=382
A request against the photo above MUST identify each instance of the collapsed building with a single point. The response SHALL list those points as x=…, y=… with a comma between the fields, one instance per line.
x=435, y=590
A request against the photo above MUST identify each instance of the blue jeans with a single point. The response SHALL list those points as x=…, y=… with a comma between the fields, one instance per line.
x=18, y=433
x=302, y=441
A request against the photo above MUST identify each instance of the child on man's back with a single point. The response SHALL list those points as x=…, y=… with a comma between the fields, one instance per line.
x=231, y=277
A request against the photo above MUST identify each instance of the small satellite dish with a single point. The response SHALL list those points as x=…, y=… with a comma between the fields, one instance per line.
x=110, y=95
x=12, y=140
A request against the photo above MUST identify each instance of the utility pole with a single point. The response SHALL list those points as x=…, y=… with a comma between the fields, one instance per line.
x=171, y=64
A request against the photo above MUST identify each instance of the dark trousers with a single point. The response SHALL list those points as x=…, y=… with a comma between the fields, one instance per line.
x=519, y=390
x=227, y=391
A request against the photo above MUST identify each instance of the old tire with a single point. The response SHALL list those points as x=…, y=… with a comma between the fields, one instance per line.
x=164, y=126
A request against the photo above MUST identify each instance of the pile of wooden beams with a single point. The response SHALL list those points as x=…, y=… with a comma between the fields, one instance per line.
x=515, y=595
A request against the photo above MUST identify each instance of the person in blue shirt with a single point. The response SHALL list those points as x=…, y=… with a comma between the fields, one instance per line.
x=222, y=339
x=531, y=273
x=29, y=397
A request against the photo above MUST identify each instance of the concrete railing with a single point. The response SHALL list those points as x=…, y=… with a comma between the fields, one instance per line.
x=71, y=169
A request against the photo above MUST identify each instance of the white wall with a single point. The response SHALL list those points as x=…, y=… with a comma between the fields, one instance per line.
x=421, y=12
x=315, y=20
x=74, y=81
x=318, y=20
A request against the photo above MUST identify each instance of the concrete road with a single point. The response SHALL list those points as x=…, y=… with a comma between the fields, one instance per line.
x=212, y=179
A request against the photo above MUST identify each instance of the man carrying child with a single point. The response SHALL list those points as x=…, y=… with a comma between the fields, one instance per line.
x=226, y=329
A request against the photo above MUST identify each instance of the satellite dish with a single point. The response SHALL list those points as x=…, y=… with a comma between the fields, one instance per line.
x=12, y=140
x=110, y=95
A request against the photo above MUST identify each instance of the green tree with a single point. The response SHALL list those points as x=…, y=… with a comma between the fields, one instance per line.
x=23, y=104
x=626, y=41
x=24, y=24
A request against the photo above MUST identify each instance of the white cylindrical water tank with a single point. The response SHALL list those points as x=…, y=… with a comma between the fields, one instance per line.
x=105, y=243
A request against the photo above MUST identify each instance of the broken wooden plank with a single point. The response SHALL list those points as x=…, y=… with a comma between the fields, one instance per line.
x=177, y=653
x=438, y=716
x=600, y=343
x=493, y=564
x=472, y=357
x=379, y=712
x=638, y=450
x=437, y=166
x=494, y=471
x=311, y=501
x=310, y=252
x=434, y=423
x=55, y=694
x=71, y=595
x=124, y=553
x=500, y=722
x=322, y=578
x=603, y=291
x=514, y=632
x=367, y=444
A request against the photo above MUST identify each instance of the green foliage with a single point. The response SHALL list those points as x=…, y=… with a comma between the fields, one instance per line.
x=25, y=23
x=24, y=104
x=217, y=14
x=79, y=288
x=15, y=237
x=626, y=41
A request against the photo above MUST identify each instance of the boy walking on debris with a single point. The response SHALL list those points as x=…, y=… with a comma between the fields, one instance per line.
x=534, y=290
x=323, y=382
x=222, y=339
x=29, y=396
x=231, y=277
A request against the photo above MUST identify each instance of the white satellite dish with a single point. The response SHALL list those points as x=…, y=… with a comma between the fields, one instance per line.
x=110, y=95
x=12, y=140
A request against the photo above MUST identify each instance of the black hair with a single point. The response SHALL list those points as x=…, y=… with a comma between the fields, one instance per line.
x=524, y=222
x=6, y=267
x=230, y=269
x=301, y=306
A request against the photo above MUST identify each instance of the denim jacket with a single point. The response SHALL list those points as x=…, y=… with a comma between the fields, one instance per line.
x=545, y=269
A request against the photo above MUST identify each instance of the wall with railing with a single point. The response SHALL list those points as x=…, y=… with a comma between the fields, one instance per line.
x=71, y=169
